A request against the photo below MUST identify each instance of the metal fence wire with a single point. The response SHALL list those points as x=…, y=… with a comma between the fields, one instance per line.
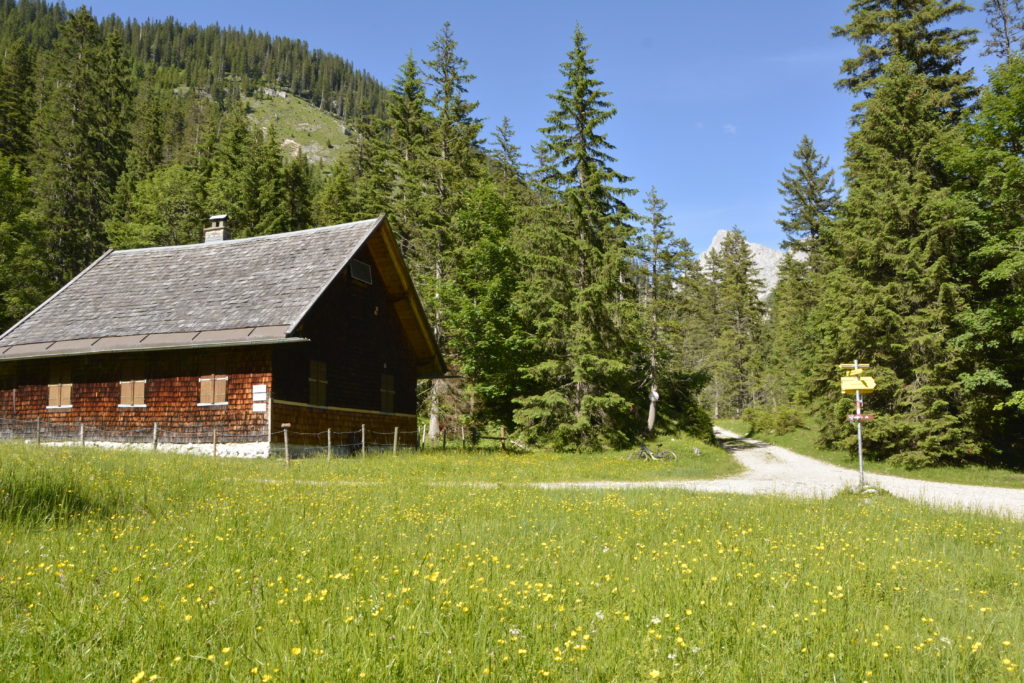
x=44, y=431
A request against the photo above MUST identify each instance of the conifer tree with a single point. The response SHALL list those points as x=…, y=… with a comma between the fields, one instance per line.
x=810, y=202
x=506, y=152
x=81, y=135
x=737, y=327
x=454, y=164
x=297, y=193
x=665, y=263
x=992, y=335
x=577, y=264
x=809, y=197
x=899, y=276
x=17, y=102
x=913, y=30
x=166, y=208
x=1006, y=25
x=23, y=259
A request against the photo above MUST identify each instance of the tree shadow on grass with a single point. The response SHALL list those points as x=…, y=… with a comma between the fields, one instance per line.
x=46, y=499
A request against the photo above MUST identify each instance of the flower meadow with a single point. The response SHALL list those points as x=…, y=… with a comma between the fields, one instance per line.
x=137, y=566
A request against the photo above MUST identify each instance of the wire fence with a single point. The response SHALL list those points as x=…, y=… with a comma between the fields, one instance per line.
x=224, y=440
x=44, y=431
x=342, y=443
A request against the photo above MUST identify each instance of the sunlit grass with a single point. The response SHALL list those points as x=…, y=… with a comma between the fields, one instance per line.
x=191, y=568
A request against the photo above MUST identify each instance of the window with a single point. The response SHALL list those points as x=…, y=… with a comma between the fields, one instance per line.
x=318, y=382
x=60, y=386
x=387, y=392
x=361, y=271
x=213, y=390
x=133, y=393
x=133, y=387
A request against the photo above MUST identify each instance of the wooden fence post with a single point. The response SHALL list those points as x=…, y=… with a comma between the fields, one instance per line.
x=215, y=442
x=444, y=438
x=154, y=436
x=362, y=442
x=287, y=455
x=81, y=433
x=38, y=428
x=503, y=437
x=463, y=436
x=328, y=444
x=394, y=447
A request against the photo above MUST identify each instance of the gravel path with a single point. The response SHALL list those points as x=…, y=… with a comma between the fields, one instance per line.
x=776, y=470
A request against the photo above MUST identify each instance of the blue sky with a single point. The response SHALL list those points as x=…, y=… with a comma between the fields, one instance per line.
x=712, y=97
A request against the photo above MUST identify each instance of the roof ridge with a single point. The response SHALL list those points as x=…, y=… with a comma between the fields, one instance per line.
x=243, y=240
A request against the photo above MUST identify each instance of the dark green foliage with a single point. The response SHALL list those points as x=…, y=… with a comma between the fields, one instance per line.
x=246, y=179
x=913, y=30
x=577, y=295
x=993, y=331
x=735, y=324
x=667, y=299
x=809, y=197
x=22, y=259
x=773, y=421
x=899, y=276
x=81, y=137
x=166, y=208
x=218, y=61
x=17, y=99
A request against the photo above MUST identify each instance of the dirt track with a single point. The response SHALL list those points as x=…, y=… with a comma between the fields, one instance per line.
x=776, y=470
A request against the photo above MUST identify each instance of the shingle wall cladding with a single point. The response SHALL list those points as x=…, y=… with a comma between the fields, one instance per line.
x=172, y=390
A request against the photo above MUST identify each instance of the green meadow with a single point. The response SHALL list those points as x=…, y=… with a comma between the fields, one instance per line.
x=132, y=566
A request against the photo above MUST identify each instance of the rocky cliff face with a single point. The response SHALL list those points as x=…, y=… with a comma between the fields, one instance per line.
x=766, y=259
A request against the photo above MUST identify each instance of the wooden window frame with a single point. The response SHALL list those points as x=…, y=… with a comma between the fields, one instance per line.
x=215, y=387
x=317, y=383
x=58, y=395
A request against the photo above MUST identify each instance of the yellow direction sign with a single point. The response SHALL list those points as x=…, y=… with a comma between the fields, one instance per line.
x=851, y=385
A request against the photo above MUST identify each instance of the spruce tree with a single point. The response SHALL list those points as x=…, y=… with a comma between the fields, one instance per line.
x=81, y=135
x=665, y=264
x=23, y=257
x=17, y=102
x=992, y=335
x=1006, y=25
x=454, y=165
x=810, y=202
x=809, y=197
x=576, y=296
x=737, y=327
x=506, y=152
x=899, y=276
x=912, y=30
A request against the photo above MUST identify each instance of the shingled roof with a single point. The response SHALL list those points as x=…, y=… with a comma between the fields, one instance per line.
x=245, y=291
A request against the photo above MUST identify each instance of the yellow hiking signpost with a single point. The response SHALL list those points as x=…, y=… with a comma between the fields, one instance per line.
x=856, y=382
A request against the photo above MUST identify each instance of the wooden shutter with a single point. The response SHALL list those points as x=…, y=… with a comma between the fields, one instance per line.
x=65, y=395
x=220, y=389
x=139, y=392
x=54, y=398
x=206, y=389
x=127, y=393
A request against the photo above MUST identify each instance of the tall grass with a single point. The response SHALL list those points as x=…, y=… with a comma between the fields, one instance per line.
x=198, y=569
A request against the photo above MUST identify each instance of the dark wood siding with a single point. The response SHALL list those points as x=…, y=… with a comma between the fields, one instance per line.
x=353, y=328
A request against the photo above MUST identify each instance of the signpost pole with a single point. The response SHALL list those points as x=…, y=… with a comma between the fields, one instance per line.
x=860, y=439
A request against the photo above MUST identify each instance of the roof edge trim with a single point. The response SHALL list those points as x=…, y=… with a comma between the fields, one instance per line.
x=174, y=347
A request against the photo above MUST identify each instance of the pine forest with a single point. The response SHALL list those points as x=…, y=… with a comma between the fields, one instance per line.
x=568, y=317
